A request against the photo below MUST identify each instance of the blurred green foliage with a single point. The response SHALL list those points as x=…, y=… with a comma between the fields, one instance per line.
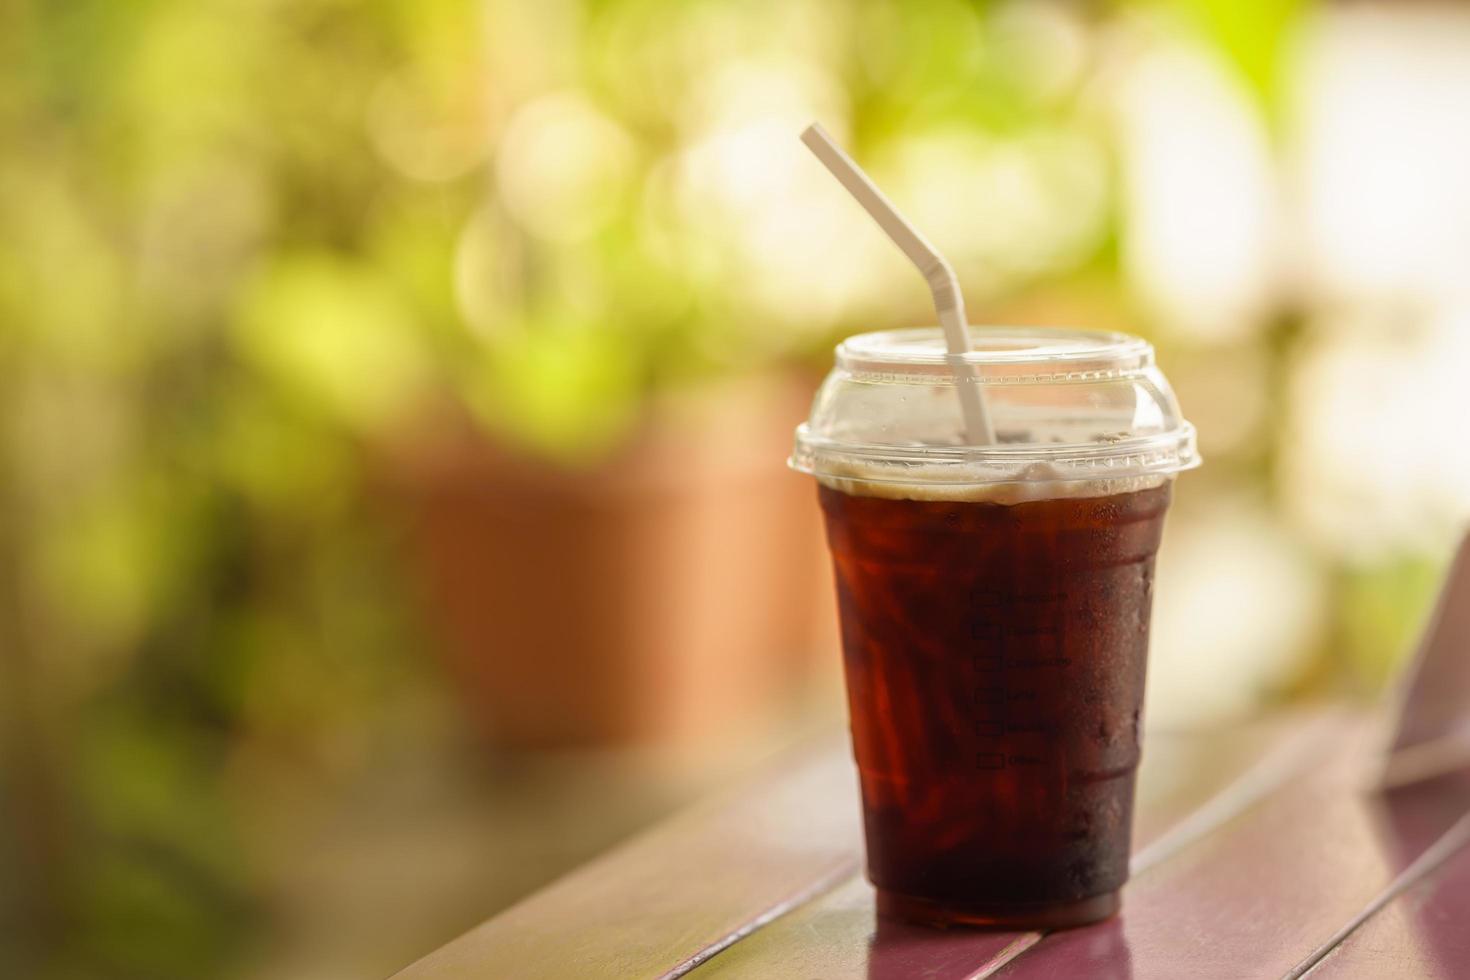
x=1384, y=608
x=1256, y=36
x=211, y=290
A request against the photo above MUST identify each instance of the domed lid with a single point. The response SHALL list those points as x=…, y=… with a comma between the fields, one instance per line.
x=1066, y=405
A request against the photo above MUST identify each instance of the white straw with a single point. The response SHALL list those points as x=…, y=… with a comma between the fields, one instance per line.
x=948, y=302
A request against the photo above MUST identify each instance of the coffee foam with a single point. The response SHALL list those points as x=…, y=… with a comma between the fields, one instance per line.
x=1037, y=481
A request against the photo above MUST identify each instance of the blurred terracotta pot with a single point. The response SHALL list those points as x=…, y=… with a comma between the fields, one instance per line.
x=677, y=590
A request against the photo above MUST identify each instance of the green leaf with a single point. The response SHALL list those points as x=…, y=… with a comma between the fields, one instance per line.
x=1254, y=36
x=334, y=334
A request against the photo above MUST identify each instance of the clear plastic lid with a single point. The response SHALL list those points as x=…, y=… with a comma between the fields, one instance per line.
x=1067, y=405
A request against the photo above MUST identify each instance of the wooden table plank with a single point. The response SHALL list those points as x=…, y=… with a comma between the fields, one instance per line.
x=1266, y=890
x=1425, y=930
x=839, y=935
x=681, y=890
x=765, y=882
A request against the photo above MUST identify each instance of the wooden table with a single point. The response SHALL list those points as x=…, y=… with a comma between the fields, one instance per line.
x=1260, y=851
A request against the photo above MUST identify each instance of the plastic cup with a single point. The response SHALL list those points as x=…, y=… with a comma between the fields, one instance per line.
x=994, y=605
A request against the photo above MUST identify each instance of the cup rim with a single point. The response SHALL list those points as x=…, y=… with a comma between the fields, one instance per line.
x=1000, y=353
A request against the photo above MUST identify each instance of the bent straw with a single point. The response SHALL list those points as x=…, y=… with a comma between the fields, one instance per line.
x=945, y=286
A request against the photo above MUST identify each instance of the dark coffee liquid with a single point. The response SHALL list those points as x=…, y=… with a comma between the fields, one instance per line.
x=995, y=660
